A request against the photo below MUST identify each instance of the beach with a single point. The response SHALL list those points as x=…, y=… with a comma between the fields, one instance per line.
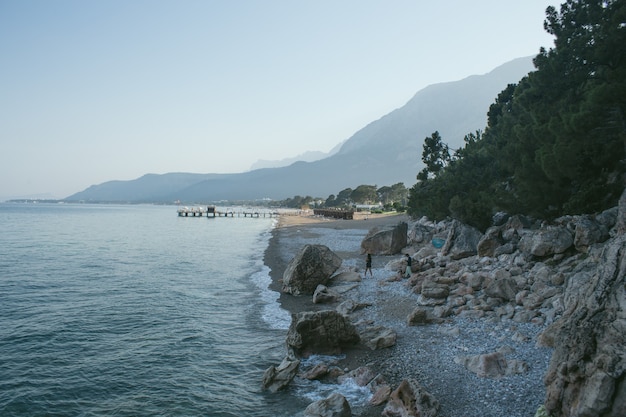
x=424, y=353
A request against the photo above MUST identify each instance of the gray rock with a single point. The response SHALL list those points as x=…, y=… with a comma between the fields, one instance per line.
x=378, y=337
x=490, y=241
x=545, y=242
x=277, y=378
x=462, y=241
x=492, y=365
x=504, y=288
x=411, y=399
x=432, y=289
x=587, y=372
x=588, y=232
x=388, y=241
x=323, y=294
x=313, y=265
x=320, y=332
x=335, y=405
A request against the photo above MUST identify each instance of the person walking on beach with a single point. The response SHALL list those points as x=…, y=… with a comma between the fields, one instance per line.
x=407, y=274
x=368, y=265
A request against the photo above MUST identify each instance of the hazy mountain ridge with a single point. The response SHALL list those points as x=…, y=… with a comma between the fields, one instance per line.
x=384, y=152
x=309, y=156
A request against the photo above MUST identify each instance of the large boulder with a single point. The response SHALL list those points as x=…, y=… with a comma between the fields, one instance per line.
x=378, y=337
x=587, y=372
x=491, y=241
x=411, y=399
x=462, y=241
x=492, y=365
x=320, y=332
x=335, y=405
x=504, y=288
x=277, y=378
x=587, y=232
x=312, y=266
x=548, y=241
x=386, y=241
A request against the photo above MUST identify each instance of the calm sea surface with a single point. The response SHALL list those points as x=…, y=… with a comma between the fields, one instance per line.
x=133, y=311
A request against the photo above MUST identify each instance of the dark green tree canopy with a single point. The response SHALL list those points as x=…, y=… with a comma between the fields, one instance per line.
x=555, y=143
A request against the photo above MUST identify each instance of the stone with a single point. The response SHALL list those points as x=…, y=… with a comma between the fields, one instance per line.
x=320, y=332
x=350, y=306
x=420, y=233
x=492, y=365
x=378, y=337
x=334, y=405
x=317, y=372
x=504, y=288
x=587, y=371
x=431, y=289
x=277, y=378
x=323, y=294
x=387, y=241
x=347, y=276
x=411, y=399
x=548, y=241
x=361, y=376
x=462, y=241
x=312, y=265
x=588, y=232
x=381, y=395
x=490, y=241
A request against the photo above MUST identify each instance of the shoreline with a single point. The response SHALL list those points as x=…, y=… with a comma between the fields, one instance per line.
x=425, y=353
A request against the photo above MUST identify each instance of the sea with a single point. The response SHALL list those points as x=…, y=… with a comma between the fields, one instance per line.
x=131, y=310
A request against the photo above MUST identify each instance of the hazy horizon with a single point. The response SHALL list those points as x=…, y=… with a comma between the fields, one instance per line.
x=101, y=91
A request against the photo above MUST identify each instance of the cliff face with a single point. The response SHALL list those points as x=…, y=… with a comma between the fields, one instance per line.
x=587, y=373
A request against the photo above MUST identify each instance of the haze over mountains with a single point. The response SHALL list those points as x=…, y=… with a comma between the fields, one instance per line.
x=384, y=152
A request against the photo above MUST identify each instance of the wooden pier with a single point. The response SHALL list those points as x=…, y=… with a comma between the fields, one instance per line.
x=211, y=212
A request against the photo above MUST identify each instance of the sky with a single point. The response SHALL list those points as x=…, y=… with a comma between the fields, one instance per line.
x=93, y=91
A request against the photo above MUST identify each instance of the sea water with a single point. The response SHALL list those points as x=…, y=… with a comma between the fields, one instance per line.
x=130, y=310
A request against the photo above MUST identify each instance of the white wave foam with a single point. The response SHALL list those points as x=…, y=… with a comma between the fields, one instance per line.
x=275, y=316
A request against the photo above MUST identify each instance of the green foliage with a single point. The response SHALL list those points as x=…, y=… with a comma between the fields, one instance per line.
x=364, y=194
x=297, y=202
x=542, y=412
x=555, y=143
x=436, y=156
x=393, y=197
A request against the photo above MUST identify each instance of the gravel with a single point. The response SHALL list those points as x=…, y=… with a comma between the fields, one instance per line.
x=425, y=353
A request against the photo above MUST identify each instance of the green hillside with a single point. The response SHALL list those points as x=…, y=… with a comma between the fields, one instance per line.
x=554, y=143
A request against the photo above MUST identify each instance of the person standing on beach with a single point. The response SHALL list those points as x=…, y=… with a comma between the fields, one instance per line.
x=407, y=274
x=368, y=265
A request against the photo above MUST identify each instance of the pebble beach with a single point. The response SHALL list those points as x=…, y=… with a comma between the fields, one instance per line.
x=427, y=353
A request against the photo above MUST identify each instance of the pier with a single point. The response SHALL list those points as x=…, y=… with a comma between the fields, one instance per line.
x=211, y=212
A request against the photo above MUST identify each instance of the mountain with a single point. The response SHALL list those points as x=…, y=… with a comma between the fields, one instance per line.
x=384, y=152
x=309, y=156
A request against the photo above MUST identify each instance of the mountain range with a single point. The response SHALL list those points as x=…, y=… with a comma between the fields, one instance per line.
x=385, y=152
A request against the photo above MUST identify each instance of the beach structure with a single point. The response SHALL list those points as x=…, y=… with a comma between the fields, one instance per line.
x=335, y=213
x=212, y=211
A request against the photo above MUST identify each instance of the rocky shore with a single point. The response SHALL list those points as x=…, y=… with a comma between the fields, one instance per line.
x=466, y=332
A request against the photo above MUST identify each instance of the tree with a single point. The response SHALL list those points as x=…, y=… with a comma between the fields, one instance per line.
x=396, y=193
x=364, y=194
x=343, y=198
x=436, y=155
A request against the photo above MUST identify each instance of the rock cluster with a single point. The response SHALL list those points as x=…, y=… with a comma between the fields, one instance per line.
x=568, y=276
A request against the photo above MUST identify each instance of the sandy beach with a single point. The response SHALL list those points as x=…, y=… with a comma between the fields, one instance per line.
x=425, y=353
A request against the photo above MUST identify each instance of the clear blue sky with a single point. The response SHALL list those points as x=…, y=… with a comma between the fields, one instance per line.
x=92, y=91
